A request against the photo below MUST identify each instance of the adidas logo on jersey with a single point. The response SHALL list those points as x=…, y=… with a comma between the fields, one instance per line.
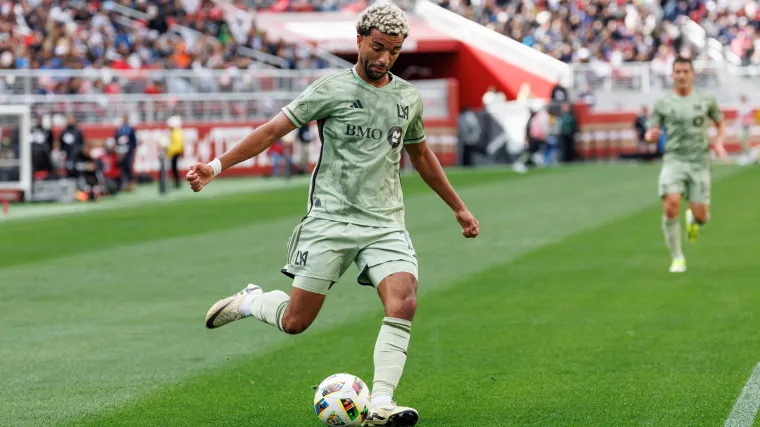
x=357, y=104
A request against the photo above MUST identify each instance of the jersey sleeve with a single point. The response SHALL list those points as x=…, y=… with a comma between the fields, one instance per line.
x=415, y=133
x=657, y=117
x=312, y=104
x=713, y=111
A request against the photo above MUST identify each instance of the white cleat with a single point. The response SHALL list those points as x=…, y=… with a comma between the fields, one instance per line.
x=678, y=265
x=391, y=415
x=228, y=309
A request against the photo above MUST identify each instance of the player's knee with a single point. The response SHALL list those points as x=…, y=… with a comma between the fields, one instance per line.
x=403, y=307
x=671, y=209
x=294, y=325
x=671, y=213
x=701, y=217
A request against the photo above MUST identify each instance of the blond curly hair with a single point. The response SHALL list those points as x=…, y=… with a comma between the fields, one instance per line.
x=385, y=17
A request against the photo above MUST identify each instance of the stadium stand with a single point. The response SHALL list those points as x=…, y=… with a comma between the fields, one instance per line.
x=73, y=35
x=614, y=32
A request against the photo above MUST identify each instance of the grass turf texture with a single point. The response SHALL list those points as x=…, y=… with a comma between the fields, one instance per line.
x=561, y=313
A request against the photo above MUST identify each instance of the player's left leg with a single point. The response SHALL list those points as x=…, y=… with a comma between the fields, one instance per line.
x=398, y=292
x=699, y=201
x=389, y=263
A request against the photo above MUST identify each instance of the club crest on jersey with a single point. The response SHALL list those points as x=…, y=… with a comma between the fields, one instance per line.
x=403, y=111
x=394, y=136
x=697, y=107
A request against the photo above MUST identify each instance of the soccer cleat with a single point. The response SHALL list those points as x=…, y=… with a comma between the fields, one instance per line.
x=678, y=265
x=692, y=228
x=391, y=415
x=228, y=309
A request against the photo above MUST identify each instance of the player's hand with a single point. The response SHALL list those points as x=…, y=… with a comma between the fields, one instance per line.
x=470, y=226
x=199, y=175
x=653, y=134
x=721, y=150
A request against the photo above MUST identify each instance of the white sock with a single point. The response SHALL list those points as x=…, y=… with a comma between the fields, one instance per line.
x=245, y=306
x=382, y=399
x=390, y=357
x=671, y=228
x=268, y=307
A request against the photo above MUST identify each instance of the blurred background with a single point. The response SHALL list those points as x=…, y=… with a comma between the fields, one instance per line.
x=102, y=95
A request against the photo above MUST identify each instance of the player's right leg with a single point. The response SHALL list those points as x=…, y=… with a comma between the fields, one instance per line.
x=318, y=254
x=291, y=314
x=671, y=187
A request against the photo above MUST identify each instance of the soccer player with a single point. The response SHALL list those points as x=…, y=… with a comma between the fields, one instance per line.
x=745, y=119
x=684, y=116
x=365, y=117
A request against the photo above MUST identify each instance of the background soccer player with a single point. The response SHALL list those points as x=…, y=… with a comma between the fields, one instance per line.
x=365, y=117
x=684, y=114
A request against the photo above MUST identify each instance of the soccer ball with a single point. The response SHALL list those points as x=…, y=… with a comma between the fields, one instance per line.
x=342, y=400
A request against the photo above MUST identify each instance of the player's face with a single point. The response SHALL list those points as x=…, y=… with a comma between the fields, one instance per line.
x=683, y=75
x=378, y=52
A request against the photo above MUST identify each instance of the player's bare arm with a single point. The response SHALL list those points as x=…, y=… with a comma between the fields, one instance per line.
x=653, y=134
x=426, y=163
x=200, y=174
x=720, y=138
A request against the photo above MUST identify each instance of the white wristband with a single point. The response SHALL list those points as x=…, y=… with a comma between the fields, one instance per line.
x=216, y=165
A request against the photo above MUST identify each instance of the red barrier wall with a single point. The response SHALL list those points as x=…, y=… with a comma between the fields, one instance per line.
x=204, y=141
x=610, y=134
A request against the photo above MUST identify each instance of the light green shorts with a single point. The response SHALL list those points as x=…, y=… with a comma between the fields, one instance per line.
x=691, y=179
x=324, y=249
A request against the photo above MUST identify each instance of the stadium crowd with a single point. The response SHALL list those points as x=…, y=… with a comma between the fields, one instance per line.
x=613, y=32
x=90, y=35
x=202, y=35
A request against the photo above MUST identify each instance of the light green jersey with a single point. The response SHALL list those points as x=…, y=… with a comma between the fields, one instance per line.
x=362, y=129
x=685, y=121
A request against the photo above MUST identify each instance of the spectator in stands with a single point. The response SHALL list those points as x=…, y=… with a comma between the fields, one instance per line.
x=469, y=134
x=537, y=132
x=568, y=130
x=745, y=119
x=587, y=96
x=278, y=155
x=10, y=144
x=88, y=174
x=641, y=126
x=176, y=146
x=42, y=149
x=558, y=97
x=126, y=140
x=492, y=95
x=552, y=139
x=71, y=143
x=111, y=164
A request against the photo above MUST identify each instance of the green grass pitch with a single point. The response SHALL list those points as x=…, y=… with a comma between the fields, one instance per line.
x=561, y=313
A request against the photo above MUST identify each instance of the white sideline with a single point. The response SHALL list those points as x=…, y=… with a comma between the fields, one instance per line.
x=745, y=409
